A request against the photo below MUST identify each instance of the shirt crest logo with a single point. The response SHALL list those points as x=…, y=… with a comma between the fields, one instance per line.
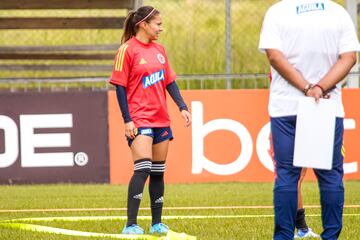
x=161, y=58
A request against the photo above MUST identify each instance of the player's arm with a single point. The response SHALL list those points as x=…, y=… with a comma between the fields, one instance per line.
x=119, y=78
x=271, y=42
x=174, y=92
x=348, y=46
x=122, y=100
x=338, y=71
x=285, y=69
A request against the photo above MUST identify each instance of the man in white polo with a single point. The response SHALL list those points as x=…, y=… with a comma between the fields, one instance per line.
x=311, y=46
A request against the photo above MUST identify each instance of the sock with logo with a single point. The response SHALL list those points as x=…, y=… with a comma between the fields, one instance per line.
x=156, y=190
x=142, y=168
x=300, y=219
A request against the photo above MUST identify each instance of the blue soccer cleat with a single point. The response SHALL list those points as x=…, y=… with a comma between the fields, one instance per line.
x=133, y=229
x=159, y=228
x=307, y=233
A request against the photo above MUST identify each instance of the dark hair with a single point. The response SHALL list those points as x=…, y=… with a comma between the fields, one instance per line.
x=144, y=13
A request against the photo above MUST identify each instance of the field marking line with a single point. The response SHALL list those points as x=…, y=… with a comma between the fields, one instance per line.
x=16, y=224
x=61, y=231
x=165, y=208
x=123, y=218
x=171, y=235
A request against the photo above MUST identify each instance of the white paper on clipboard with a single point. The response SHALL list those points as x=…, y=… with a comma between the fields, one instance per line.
x=315, y=130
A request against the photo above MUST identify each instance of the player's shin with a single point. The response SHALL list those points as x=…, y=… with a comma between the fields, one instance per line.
x=142, y=168
x=156, y=190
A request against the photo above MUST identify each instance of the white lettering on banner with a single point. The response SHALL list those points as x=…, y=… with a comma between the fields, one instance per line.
x=263, y=147
x=352, y=167
x=11, y=142
x=30, y=141
x=199, y=132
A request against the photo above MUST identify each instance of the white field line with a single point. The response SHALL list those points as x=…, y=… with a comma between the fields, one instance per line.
x=165, y=208
x=123, y=218
x=17, y=224
x=68, y=232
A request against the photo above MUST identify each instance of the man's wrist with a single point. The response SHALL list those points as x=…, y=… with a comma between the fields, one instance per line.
x=319, y=86
x=307, y=88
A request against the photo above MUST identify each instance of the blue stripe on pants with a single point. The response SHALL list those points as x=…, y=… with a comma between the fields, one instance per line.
x=287, y=177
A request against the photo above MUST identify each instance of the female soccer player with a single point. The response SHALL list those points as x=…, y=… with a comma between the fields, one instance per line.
x=141, y=75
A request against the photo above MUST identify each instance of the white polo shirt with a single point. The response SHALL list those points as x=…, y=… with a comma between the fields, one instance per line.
x=311, y=34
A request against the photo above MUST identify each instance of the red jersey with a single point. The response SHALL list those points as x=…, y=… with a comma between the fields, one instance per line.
x=144, y=71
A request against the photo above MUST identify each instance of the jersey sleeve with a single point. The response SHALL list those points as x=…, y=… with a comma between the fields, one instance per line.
x=121, y=70
x=170, y=75
x=270, y=36
x=349, y=41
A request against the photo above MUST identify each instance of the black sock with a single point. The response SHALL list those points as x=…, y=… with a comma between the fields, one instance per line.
x=300, y=219
x=142, y=168
x=156, y=190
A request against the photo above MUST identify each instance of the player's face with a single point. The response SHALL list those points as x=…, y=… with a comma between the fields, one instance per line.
x=153, y=28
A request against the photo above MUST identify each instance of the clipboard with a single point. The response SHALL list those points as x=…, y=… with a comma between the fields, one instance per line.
x=315, y=133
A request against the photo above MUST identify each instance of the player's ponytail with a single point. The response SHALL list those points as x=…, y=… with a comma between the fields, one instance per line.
x=134, y=18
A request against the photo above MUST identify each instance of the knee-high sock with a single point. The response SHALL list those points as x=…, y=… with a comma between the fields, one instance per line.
x=142, y=168
x=156, y=190
x=300, y=219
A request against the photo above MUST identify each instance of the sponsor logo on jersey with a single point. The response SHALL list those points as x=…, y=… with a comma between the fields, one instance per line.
x=309, y=7
x=146, y=131
x=161, y=58
x=153, y=78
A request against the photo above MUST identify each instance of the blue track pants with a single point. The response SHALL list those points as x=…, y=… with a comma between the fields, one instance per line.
x=287, y=177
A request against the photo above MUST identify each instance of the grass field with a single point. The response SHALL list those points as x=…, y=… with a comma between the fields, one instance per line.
x=234, y=210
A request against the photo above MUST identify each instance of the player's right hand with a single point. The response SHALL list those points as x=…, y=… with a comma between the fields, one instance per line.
x=130, y=130
x=187, y=117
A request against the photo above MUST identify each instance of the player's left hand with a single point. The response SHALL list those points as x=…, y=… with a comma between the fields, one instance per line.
x=316, y=93
x=187, y=116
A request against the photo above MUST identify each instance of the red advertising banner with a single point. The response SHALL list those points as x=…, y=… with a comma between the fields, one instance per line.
x=228, y=139
x=53, y=137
